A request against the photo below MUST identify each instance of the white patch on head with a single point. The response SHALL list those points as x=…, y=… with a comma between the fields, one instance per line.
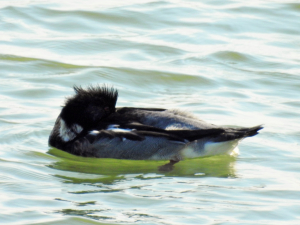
x=77, y=128
x=68, y=133
x=115, y=127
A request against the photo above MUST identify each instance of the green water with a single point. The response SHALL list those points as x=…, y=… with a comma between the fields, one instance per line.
x=230, y=62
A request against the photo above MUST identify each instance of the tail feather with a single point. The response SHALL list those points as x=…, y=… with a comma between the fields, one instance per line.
x=253, y=131
x=237, y=133
x=223, y=141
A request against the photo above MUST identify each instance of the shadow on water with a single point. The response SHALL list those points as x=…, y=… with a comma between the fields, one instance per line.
x=108, y=171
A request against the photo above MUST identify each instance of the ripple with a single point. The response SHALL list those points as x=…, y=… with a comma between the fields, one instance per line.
x=229, y=62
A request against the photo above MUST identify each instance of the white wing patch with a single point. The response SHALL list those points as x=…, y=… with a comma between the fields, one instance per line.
x=94, y=132
x=115, y=127
x=176, y=126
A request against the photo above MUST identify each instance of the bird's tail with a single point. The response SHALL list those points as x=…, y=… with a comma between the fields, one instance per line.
x=238, y=133
x=218, y=142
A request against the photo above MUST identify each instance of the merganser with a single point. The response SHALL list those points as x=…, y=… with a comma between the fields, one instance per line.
x=90, y=125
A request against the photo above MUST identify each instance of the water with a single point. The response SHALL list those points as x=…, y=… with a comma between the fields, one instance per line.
x=230, y=62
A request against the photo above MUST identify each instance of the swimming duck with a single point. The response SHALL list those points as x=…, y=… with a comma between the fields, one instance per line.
x=90, y=125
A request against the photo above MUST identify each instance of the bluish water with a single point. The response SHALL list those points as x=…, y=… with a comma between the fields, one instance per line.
x=230, y=62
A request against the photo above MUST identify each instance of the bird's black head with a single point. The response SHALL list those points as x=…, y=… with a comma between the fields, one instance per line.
x=89, y=106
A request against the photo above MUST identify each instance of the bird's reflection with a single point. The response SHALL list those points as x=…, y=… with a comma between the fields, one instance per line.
x=77, y=169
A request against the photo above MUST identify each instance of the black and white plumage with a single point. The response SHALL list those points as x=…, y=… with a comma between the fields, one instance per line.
x=90, y=125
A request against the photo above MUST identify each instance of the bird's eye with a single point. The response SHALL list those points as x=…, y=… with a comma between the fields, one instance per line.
x=106, y=109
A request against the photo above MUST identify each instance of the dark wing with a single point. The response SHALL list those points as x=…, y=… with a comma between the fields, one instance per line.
x=189, y=135
x=160, y=118
x=133, y=135
x=122, y=110
x=121, y=144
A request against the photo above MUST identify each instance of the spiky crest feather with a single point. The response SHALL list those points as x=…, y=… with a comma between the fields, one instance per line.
x=92, y=93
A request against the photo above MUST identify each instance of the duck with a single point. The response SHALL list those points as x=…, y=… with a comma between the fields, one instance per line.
x=90, y=125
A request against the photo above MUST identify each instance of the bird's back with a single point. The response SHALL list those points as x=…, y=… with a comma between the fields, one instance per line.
x=170, y=119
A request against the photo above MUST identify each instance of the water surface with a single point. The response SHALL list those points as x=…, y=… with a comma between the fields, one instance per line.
x=231, y=63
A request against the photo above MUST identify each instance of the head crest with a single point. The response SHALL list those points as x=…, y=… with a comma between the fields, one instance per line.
x=89, y=105
x=109, y=94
